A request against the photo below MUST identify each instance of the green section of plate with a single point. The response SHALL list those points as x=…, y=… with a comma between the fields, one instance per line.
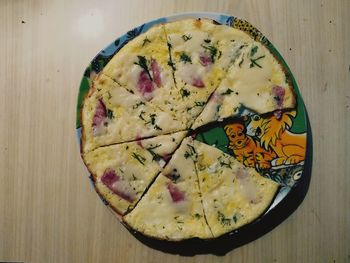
x=83, y=90
x=215, y=136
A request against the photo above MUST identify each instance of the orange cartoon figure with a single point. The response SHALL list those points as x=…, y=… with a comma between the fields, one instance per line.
x=245, y=149
x=273, y=133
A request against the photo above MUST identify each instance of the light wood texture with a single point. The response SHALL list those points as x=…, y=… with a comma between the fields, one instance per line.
x=48, y=211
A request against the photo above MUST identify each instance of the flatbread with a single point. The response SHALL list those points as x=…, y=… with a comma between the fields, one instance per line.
x=141, y=66
x=201, y=51
x=255, y=81
x=122, y=172
x=173, y=78
x=232, y=194
x=117, y=116
x=172, y=208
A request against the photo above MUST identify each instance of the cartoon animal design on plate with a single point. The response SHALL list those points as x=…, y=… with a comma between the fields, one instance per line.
x=246, y=149
x=273, y=133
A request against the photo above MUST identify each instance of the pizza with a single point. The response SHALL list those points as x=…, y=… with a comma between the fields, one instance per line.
x=232, y=194
x=256, y=81
x=140, y=117
x=122, y=172
x=111, y=114
x=175, y=201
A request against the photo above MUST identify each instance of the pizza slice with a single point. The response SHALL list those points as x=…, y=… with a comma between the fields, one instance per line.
x=117, y=116
x=142, y=65
x=172, y=209
x=144, y=68
x=256, y=81
x=122, y=172
x=201, y=52
x=193, y=58
x=233, y=195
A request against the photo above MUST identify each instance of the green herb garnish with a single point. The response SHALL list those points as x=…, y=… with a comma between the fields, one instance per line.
x=254, y=61
x=170, y=62
x=223, y=220
x=220, y=53
x=139, y=158
x=253, y=51
x=235, y=219
x=157, y=127
x=185, y=93
x=145, y=41
x=240, y=63
x=186, y=37
x=141, y=115
x=228, y=165
x=179, y=221
x=174, y=177
x=143, y=64
x=278, y=99
x=196, y=104
x=227, y=92
x=152, y=119
x=138, y=105
x=212, y=51
x=197, y=216
x=185, y=58
x=154, y=147
x=199, y=103
x=191, y=152
x=154, y=155
x=235, y=56
x=110, y=114
x=223, y=163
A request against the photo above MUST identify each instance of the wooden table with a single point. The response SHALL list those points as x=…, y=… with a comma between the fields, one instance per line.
x=49, y=212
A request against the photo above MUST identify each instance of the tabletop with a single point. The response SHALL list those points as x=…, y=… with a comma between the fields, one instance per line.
x=49, y=212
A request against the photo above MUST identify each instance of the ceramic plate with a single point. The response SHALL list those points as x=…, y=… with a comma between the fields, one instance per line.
x=293, y=175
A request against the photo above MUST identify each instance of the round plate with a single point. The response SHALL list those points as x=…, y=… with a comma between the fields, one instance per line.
x=293, y=178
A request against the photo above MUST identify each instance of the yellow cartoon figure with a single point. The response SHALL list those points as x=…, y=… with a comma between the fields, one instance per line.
x=245, y=149
x=273, y=132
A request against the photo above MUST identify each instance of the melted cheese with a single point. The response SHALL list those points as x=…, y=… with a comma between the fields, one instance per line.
x=151, y=45
x=163, y=144
x=232, y=194
x=207, y=72
x=249, y=82
x=135, y=163
x=159, y=214
x=132, y=117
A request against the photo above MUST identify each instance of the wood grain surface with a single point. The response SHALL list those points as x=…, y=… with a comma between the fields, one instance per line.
x=48, y=211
